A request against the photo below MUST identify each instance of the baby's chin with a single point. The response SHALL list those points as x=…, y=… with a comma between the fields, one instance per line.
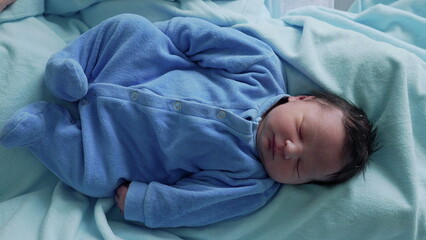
x=283, y=180
x=260, y=152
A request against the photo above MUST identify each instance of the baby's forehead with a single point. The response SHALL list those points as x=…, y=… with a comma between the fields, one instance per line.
x=327, y=125
x=328, y=109
x=325, y=105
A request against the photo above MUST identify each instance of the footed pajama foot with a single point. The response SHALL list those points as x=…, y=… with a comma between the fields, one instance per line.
x=65, y=78
x=25, y=127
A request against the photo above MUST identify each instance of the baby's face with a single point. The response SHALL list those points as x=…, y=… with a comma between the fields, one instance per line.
x=301, y=141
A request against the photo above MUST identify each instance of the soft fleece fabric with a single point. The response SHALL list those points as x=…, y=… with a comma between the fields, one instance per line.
x=173, y=108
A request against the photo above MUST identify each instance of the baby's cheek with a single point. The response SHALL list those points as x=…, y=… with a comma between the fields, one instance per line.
x=278, y=171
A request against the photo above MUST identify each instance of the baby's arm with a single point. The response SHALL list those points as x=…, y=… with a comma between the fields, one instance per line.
x=224, y=48
x=193, y=202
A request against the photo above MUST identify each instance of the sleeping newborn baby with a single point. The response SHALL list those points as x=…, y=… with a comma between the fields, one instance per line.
x=186, y=123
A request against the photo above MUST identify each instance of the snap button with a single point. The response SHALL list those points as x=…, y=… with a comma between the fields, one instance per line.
x=134, y=95
x=177, y=105
x=93, y=92
x=221, y=114
x=84, y=101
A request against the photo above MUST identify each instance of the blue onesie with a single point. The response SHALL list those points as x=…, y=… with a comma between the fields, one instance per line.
x=172, y=107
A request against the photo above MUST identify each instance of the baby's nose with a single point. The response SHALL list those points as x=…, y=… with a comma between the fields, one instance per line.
x=291, y=150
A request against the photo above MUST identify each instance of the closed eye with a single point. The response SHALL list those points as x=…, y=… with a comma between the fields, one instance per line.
x=299, y=131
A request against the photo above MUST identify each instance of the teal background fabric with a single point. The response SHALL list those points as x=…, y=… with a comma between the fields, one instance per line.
x=374, y=55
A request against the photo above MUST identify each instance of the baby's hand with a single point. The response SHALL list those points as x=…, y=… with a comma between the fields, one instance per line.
x=5, y=3
x=120, y=196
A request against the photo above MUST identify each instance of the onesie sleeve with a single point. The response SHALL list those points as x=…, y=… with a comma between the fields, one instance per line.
x=224, y=48
x=195, y=202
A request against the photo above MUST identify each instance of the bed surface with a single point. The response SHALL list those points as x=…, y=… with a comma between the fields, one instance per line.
x=374, y=55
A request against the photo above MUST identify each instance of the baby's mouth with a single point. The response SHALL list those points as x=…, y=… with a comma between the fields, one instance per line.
x=272, y=146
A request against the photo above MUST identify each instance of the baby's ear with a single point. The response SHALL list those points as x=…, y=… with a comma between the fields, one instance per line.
x=300, y=98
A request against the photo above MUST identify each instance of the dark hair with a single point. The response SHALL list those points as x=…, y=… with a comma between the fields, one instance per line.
x=360, y=140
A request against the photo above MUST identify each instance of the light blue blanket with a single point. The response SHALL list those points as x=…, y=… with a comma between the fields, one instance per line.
x=374, y=55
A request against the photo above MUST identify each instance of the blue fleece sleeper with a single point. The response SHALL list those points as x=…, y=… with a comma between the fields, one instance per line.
x=172, y=107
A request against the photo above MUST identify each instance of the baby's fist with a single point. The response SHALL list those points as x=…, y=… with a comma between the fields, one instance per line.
x=120, y=196
x=5, y=3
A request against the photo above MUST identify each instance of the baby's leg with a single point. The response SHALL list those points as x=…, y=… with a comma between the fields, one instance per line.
x=24, y=127
x=49, y=132
x=66, y=79
x=114, y=51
